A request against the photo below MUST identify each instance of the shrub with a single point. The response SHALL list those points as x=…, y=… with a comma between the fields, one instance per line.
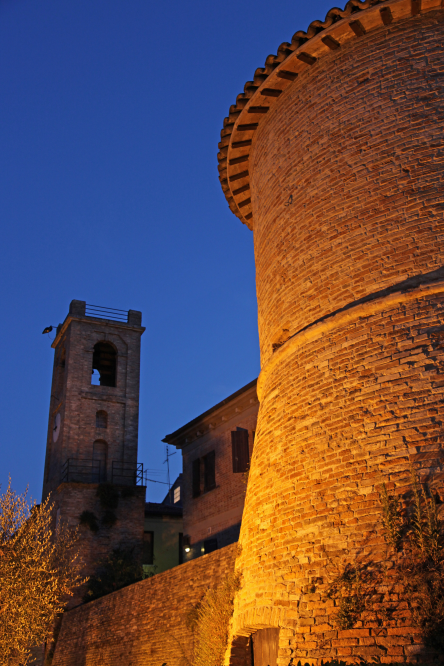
x=39, y=568
x=127, y=491
x=108, y=496
x=210, y=622
x=414, y=534
x=109, y=518
x=89, y=518
x=117, y=570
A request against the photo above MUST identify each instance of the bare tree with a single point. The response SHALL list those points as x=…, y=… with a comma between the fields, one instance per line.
x=39, y=568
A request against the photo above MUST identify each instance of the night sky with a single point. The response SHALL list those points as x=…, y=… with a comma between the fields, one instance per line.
x=110, y=115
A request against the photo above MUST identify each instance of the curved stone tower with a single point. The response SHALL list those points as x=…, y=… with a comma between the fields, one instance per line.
x=334, y=157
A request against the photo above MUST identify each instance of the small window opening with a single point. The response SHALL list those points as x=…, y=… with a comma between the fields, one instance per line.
x=148, y=547
x=100, y=454
x=177, y=494
x=105, y=362
x=101, y=419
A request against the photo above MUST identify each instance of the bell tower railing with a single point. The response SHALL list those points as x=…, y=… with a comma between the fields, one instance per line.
x=81, y=470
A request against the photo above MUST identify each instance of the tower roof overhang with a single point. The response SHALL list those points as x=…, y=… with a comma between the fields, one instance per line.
x=279, y=73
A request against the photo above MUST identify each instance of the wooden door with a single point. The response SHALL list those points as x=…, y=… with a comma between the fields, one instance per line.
x=265, y=647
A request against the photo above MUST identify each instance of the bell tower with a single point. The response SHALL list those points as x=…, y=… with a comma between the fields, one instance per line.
x=94, y=407
x=93, y=428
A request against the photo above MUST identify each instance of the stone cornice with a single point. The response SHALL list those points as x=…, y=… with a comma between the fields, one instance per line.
x=281, y=70
x=343, y=318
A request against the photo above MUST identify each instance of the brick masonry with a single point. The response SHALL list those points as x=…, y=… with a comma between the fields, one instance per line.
x=351, y=296
x=357, y=140
x=143, y=623
x=71, y=499
x=76, y=402
x=218, y=512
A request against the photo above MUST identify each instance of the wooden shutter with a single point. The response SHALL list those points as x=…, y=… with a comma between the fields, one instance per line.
x=148, y=548
x=209, y=471
x=196, y=477
x=240, y=450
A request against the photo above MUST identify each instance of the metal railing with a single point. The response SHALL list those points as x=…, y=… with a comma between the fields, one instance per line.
x=100, y=312
x=76, y=470
x=127, y=474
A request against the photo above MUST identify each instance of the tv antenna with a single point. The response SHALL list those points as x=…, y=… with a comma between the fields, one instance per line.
x=167, y=461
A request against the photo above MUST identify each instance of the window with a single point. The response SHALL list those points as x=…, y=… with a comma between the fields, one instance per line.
x=148, y=548
x=196, y=477
x=105, y=362
x=101, y=419
x=210, y=545
x=100, y=452
x=177, y=494
x=240, y=450
x=209, y=471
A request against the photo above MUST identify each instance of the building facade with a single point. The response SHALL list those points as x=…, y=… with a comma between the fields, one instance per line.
x=163, y=531
x=333, y=155
x=216, y=449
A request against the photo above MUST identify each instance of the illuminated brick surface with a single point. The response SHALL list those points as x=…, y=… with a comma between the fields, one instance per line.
x=351, y=296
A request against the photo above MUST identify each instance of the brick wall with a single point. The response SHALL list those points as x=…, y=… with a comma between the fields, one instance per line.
x=143, y=623
x=357, y=141
x=71, y=499
x=350, y=285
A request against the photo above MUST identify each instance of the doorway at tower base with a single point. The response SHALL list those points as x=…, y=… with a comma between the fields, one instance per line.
x=265, y=646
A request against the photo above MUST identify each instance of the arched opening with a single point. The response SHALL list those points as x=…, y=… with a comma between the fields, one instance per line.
x=105, y=362
x=100, y=455
x=101, y=419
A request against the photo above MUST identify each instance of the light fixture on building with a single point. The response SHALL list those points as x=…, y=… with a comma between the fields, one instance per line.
x=186, y=543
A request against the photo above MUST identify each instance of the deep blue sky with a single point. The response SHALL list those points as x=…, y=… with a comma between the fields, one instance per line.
x=110, y=114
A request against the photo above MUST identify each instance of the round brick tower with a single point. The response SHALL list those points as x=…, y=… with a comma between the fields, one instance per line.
x=334, y=157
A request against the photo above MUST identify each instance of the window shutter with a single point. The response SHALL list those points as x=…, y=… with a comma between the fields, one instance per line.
x=148, y=548
x=209, y=471
x=196, y=477
x=240, y=450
